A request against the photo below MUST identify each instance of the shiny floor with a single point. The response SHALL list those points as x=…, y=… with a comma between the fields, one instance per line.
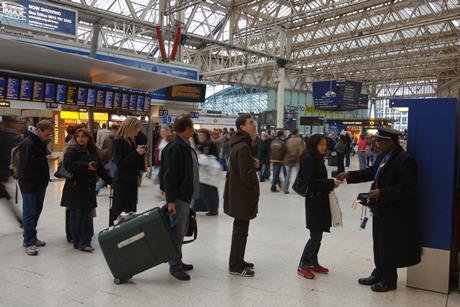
x=62, y=276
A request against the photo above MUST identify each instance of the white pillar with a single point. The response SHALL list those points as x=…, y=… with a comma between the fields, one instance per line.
x=280, y=99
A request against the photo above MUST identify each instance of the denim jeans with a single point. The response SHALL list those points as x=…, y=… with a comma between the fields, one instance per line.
x=362, y=160
x=277, y=166
x=264, y=173
x=179, y=223
x=311, y=250
x=101, y=183
x=81, y=227
x=32, y=206
x=287, y=178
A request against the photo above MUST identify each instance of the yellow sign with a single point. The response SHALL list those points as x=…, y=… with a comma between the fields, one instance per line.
x=310, y=110
x=84, y=115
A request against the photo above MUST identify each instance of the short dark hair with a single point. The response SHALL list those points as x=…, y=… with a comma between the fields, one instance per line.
x=206, y=132
x=44, y=125
x=280, y=133
x=182, y=122
x=104, y=126
x=294, y=131
x=241, y=120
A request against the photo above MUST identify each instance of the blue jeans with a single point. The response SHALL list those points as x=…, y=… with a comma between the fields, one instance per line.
x=81, y=227
x=32, y=206
x=287, y=178
x=362, y=160
x=101, y=183
x=264, y=171
x=179, y=226
x=277, y=166
x=311, y=250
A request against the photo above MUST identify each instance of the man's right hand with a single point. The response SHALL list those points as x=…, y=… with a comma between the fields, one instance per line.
x=343, y=176
x=172, y=208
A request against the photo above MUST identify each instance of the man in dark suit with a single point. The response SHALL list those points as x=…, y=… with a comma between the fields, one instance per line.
x=393, y=197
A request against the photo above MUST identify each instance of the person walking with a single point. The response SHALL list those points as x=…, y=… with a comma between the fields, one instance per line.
x=34, y=176
x=278, y=151
x=294, y=149
x=317, y=206
x=79, y=194
x=165, y=137
x=395, y=230
x=341, y=149
x=205, y=145
x=102, y=134
x=241, y=194
x=263, y=155
x=127, y=158
x=180, y=181
x=362, y=143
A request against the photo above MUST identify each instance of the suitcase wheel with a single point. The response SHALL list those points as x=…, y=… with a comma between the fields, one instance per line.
x=119, y=281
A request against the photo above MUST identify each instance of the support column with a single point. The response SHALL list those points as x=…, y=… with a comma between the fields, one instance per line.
x=280, y=96
x=92, y=54
x=373, y=102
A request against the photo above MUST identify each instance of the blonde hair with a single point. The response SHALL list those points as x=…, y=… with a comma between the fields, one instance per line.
x=128, y=128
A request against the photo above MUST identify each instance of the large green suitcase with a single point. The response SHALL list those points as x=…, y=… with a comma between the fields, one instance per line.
x=138, y=244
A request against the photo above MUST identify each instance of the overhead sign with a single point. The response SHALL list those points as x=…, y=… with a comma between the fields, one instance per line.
x=332, y=95
x=360, y=123
x=39, y=16
x=311, y=121
x=348, y=94
x=325, y=95
x=187, y=93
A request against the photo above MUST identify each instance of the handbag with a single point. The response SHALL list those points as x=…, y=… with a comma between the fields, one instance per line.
x=192, y=227
x=62, y=173
x=300, y=186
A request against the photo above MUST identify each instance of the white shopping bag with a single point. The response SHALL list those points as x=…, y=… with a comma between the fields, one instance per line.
x=336, y=213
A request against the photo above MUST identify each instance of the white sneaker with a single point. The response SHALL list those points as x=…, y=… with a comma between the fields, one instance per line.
x=31, y=250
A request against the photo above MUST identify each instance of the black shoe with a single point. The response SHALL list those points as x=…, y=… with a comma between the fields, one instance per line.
x=244, y=272
x=286, y=192
x=187, y=267
x=181, y=275
x=383, y=287
x=274, y=190
x=248, y=265
x=368, y=281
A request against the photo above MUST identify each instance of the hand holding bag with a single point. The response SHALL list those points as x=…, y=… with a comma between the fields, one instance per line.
x=62, y=173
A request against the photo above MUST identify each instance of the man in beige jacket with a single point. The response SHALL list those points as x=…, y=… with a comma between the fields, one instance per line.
x=295, y=149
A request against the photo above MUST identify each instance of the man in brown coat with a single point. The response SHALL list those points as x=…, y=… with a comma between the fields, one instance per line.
x=294, y=149
x=241, y=195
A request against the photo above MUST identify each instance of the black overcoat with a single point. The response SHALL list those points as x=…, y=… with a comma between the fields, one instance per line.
x=396, y=208
x=317, y=206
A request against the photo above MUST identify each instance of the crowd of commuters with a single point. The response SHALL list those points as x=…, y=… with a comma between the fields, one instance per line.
x=118, y=157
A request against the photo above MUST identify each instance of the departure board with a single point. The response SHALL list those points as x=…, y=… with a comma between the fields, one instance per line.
x=117, y=101
x=82, y=96
x=25, y=92
x=140, y=103
x=125, y=102
x=147, y=101
x=100, y=98
x=2, y=87
x=132, y=102
x=61, y=93
x=71, y=95
x=39, y=91
x=50, y=92
x=109, y=100
x=91, y=101
x=12, y=91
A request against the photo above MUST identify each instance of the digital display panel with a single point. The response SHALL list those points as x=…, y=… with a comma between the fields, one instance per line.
x=2, y=87
x=50, y=92
x=91, y=101
x=100, y=98
x=71, y=95
x=125, y=102
x=132, y=102
x=109, y=100
x=26, y=90
x=147, y=101
x=82, y=96
x=117, y=100
x=12, y=91
x=61, y=93
x=140, y=103
x=39, y=91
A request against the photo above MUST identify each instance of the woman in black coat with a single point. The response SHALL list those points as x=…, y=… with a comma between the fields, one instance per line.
x=317, y=207
x=126, y=155
x=79, y=195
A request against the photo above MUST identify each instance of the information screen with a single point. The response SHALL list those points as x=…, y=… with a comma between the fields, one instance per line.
x=82, y=96
x=2, y=87
x=61, y=93
x=147, y=102
x=117, y=100
x=125, y=102
x=100, y=98
x=140, y=103
x=50, y=92
x=91, y=101
x=26, y=90
x=109, y=100
x=12, y=91
x=132, y=102
x=71, y=95
x=39, y=91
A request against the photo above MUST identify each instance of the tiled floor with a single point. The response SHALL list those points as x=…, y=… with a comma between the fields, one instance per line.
x=61, y=276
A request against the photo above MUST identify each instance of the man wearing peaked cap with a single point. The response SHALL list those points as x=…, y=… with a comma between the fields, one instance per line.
x=394, y=196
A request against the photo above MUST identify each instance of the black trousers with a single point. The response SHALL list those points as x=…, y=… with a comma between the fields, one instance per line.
x=239, y=239
x=311, y=250
x=340, y=163
x=383, y=271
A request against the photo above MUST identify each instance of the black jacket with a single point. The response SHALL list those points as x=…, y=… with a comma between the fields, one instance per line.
x=176, y=171
x=263, y=151
x=396, y=208
x=34, y=172
x=317, y=206
x=208, y=148
x=125, y=156
x=80, y=192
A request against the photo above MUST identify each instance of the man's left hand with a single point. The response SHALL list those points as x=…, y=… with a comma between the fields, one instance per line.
x=374, y=194
x=257, y=164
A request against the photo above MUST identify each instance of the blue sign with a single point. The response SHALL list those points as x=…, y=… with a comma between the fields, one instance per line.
x=125, y=102
x=51, y=105
x=61, y=93
x=2, y=87
x=12, y=91
x=50, y=92
x=132, y=102
x=109, y=100
x=39, y=91
x=82, y=96
x=91, y=101
x=100, y=98
x=39, y=16
x=325, y=95
x=26, y=90
x=117, y=101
